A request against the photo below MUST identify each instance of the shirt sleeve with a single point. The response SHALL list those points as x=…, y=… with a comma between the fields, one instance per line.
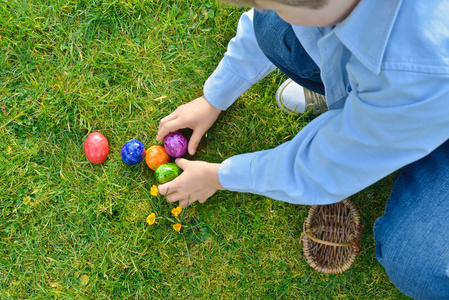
x=243, y=65
x=388, y=121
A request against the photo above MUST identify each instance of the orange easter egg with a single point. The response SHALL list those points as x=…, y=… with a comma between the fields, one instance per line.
x=156, y=156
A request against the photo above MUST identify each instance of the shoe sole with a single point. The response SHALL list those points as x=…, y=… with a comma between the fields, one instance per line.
x=315, y=103
x=279, y=103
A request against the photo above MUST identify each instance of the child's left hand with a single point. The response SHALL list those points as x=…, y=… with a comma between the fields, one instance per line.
x=198, y=181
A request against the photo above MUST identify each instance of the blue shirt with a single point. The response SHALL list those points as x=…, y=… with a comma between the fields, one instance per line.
x=386, y=74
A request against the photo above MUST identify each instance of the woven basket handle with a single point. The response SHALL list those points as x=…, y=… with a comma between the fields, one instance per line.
x=355, y=243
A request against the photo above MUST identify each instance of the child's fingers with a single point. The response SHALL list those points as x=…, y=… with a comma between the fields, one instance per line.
x=173, y=197
x=163, y=189
x=186, y=202
x=169, y=126
x=167, y=119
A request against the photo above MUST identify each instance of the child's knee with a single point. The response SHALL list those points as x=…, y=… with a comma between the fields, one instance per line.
x=418, y=269
x=270, y=31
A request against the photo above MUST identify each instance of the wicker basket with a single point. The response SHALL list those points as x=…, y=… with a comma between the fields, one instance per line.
x=331, y=236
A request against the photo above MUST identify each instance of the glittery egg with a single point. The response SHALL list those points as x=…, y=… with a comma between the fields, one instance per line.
x=133, y=152
x=96, y=148
x=156, y=156
x=175, y=144
x=167, y=172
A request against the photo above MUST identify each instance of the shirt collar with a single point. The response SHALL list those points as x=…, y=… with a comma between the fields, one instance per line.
x=366, y=31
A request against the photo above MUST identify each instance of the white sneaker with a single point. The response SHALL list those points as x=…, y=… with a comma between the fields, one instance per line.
x=294, y=99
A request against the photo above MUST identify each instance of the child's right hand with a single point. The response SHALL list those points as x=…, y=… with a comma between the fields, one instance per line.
x=198, y=115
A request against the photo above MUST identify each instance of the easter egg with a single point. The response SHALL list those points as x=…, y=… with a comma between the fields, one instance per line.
x=167, y=172
x=175, y=144
x=96, y=148
x=156, y=156
x=133, y=152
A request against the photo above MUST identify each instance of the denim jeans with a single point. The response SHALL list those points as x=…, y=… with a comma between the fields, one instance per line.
x=412, y=237
x=280, y=45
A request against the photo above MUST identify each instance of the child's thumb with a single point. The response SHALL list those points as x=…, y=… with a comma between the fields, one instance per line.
x=194, y=141
x=181, y=162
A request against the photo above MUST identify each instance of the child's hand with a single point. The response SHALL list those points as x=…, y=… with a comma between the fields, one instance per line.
x=198, y=182
x=198, y=115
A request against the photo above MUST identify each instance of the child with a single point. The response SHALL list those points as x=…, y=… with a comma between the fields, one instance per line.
x=383, y=66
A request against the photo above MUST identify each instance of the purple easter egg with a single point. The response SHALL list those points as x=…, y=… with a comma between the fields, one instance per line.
x=175, y=144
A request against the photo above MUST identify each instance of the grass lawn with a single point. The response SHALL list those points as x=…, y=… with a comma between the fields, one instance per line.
x=73, y=230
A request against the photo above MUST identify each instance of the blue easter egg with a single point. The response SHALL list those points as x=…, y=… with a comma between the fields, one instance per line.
x=133, y=152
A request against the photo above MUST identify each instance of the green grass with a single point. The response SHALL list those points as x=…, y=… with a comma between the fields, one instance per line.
x=68, y=68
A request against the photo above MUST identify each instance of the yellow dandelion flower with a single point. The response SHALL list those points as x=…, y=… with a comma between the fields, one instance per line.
x=151, y=219
x=176, y=211
x=154, y=191
x=177, y=227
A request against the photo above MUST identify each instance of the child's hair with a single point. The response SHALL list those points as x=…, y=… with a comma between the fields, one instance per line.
x=309, y=3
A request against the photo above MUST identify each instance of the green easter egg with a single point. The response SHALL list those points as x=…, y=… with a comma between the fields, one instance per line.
x=167, y=172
